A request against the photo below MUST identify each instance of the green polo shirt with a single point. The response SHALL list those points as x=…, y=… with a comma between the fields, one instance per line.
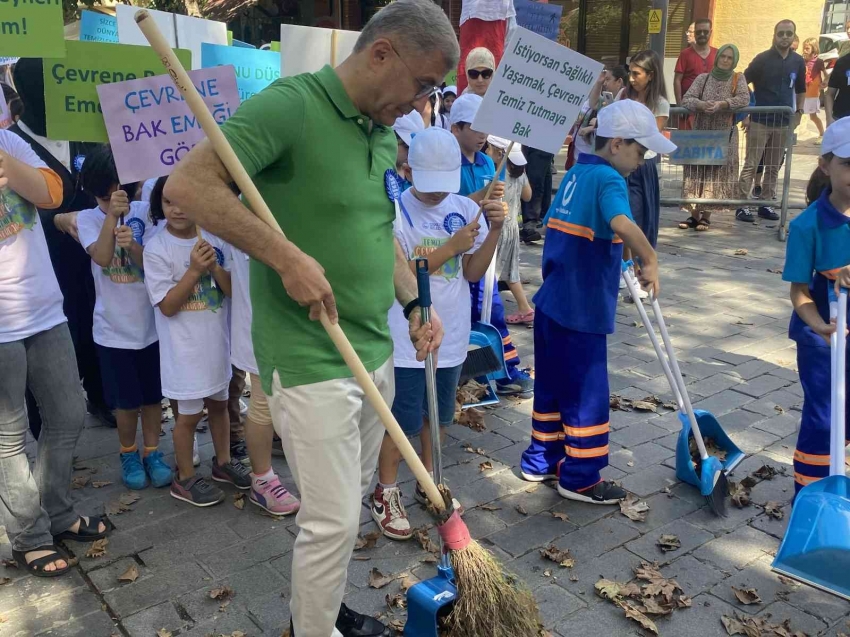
x=319, y=164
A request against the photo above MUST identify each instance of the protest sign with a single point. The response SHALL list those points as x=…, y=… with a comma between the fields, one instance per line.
x=700, y=147
x=32, y=28
x=70, y=84
x=308, y=49
x=238, y=43
x=151, y=127
x=536, y=92
x=255, y=69
x=129, y=32
x=541, y=18
x=98, y=27
x=193, y=32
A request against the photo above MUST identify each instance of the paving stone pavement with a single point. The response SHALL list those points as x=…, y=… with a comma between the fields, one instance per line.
x=727, y=315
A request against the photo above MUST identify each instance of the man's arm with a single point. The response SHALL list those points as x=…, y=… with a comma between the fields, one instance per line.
x=200, y=186
x=426, y=338
x=404, y=280
x=677, y=88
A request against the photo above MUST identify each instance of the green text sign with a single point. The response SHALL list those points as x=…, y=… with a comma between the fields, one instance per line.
x=70, y=84
x=31, y=28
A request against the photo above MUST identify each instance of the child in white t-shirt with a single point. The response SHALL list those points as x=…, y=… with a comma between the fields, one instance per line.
x=438, y=225
x=114, y=235
x=188, y=282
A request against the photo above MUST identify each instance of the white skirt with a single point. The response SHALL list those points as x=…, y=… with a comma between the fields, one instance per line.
x=811, y=105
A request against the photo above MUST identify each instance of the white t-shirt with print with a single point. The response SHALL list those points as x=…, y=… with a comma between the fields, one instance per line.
x=487, y=10
x=241, y=345
x=194, y=344
x=30, y=299
x=420, y=230
x=123, y=315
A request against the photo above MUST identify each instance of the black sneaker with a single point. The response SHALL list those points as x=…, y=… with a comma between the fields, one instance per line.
x=352, y=624
x=240, y=452
x=103, y=414
x=744, y=214
x=756, y=192
x=233, y=473
x=529, y=236
x=767, y=212
x=604, y=492
x=197, y=491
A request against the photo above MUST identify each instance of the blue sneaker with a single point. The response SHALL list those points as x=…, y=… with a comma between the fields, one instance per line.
x=132, y=471
x=160, y=473
x=519, y=383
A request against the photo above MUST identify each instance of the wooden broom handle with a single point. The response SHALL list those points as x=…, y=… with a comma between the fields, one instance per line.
x=495, y=179
x=258, y=205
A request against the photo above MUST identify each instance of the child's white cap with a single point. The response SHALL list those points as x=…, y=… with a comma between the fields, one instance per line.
x=836, y=139
x=465, y=108
x=408, y=125
x=628, y=119
x=516, y=156
x=434, y=159
x=450, y=89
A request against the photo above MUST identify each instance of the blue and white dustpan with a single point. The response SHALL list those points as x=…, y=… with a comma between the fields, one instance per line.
x=431, y=599
x=711, y=479
x=816, y=546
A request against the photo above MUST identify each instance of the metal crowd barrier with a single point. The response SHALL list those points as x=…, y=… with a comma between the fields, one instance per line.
x=719, y=167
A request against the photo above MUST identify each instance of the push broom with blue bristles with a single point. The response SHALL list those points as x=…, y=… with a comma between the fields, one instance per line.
x=816, y=546
x=711, y=478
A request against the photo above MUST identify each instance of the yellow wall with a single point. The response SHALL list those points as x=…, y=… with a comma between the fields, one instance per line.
x=748, y=24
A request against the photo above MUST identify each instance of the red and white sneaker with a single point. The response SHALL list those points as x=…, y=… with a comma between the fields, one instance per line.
x=389, y=514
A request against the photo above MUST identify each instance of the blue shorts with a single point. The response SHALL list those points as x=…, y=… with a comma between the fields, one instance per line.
x=130, y=376
x=411, y=403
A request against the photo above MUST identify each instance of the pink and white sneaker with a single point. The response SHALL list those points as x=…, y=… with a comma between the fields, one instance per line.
x=274, y=498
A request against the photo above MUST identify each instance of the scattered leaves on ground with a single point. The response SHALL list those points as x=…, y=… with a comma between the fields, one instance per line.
x=612, y=590
x=669, y=543
x=378, y=579
x=485, y=466
x=97, y=484
x=634, y=509
x=128, y=497
x=767, y=472
x=221, y=593
x=561, y=557
x=162, y=632
x=774, y=510
x=774, y=271
x=490, y=507
x=123, y=503
x=749, y=482
x=758, y=627
x=421, y=535
x=563, y=517
x=635, y=615
x=739, y=494
x=647, y=403
x=711, y=448
x=521, y=510
x=779, y=409
x=367, y=541
x=396, y=601
x=130, y=575
x=747, y=596
x=740, y=252
x=429, y=559
x=97, y=548
x=79, y=482
x=239, y=500
x=468, y=448
x=408, y=581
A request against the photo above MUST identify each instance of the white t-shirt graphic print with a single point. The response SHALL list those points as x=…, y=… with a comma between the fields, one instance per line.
x=421, y=229
x=123, y=314
x=194, y=344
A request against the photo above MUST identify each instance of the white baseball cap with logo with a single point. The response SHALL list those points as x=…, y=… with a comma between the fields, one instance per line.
x=434, y=160
x=465, y=108
x=516, y=156
x=408, y=125
x=836, y=139
x=629, y=119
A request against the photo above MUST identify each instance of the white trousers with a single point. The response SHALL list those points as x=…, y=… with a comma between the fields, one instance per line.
x=331, y=437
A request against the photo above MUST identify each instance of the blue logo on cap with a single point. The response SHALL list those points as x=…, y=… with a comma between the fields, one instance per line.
x=453, y=222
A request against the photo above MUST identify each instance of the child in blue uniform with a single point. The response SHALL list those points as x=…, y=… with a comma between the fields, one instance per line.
x=587, y=225
x=477, y=171
x=817, y=257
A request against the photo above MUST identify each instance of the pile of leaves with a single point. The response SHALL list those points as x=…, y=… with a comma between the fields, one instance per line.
x=758, y=627
x=648, y=403
x=710, y=447
x=469, y=393
x=649, y=595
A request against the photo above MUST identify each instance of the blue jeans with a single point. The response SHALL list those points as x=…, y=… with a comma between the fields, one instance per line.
x=36, y=506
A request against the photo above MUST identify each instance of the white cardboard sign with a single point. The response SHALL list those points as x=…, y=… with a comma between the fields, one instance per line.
x=130, y=33
x=308, y=49
x=536, y=92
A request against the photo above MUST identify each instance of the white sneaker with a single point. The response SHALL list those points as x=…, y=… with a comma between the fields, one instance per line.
x=389, y=514
x=642, y=294
x=196, y=456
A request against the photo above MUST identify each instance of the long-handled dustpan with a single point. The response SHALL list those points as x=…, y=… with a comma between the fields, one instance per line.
x=431, y=599
x=816, y=546
x=711, y=477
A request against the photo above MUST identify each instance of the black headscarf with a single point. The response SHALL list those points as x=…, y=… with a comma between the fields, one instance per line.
x=29, y=81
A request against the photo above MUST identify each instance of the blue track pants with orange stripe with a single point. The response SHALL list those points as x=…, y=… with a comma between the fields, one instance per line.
x=570, y=419
x=811, y=458
x=497, y=320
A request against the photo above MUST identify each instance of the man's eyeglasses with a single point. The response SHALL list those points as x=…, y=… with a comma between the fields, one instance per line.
x=703, y=32
x=474, y=74
x=426, y=89
x=785, y=34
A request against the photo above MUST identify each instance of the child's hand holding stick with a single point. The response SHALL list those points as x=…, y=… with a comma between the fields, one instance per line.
x=495, y=179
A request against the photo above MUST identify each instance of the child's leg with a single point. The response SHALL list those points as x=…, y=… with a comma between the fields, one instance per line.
x=127, y=420
x=425, y=438
x=519, y=294
x=219, y=429
x=388, y=462
x=817, y=122
x=184, y=436
x=151, y=417
x=446, y=390
x=811, y=458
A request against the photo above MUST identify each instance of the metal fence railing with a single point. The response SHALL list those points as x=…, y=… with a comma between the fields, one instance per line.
x=730, y=159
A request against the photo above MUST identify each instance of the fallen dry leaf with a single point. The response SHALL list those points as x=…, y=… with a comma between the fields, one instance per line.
x=634, y=509
x=669, y=543
x=747, y=596
x=378, y=579
x=361, y=558
x=521, y=510
x=635, y=615
x=563, y=517
x=5, y=580
x=767, y=472
x=421, y=535
x=130, y=575
x=367, y=541
x=407, y=582
x=429, y=559
x=239, y=500
x=490, y=507
x=562, y=557
x=684, y=601
x=651, y=606
x=774, y=271
x=97, y=484
x=607, y=589
x=779, y=409
x=396, y=601
x=749, y=482
x=573, y=578
x=774, y=510
x=221, y=593
x=97, y=548
x=740, y=252
x=10, y=563
x=485, y=466
x=732, y=625
x=162, y=632
x=547, y=572
x=643, y=405
x=739, y=494
x=79, y=482
x=128, y=497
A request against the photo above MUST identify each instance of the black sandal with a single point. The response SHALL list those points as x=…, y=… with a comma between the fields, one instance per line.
x=36, y=567
x=690, y=222
x=87, y=532
x=703, y=225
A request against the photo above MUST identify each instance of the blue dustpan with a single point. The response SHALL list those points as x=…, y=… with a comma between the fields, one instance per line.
x=709, y=428
x=816, y=546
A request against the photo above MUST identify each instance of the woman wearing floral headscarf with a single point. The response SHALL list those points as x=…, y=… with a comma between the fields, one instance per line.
x=714, y=96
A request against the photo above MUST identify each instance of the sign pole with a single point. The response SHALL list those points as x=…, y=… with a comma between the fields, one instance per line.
x=658, y=36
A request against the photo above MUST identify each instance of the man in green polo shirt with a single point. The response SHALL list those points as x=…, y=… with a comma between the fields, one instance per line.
x=317, y=147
